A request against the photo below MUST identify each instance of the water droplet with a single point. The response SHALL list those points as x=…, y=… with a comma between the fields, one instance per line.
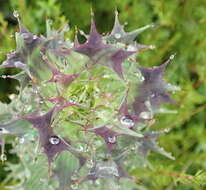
x=41, y=102
x=107, y=169
x=145, y=115
x=3, y=157
x=10, y=55
x=131, y=48
x=3, y=131
x=81, y=148
x=74, y=186
x=97, y=182
x=83, y=34
x=152, y=47
x=57, y=77
x=134, y=147
x=166, y=130
x=73, y=99
x=35, y=92
x=35, y=37
x=126, y=23
x=172, y=56
x=60, y=42
x=172, y=88
x=141, y=78
x=16, y=14
x=4, y=76
x=112, y=139
x=12, y=96
x=19, y=64
x=117, y=35
x=74, y=177
x=54, y=140
x=25, y=35
x=109, y=126
x=127, y=121
x=89, y=164
x=22, y=140
x=50, y=21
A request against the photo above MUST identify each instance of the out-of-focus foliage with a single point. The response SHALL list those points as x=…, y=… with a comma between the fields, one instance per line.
x=180, y=28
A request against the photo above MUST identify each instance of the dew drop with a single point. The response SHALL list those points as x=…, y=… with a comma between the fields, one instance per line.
x=4, y=76
x=57, y=77
x=16, y=14
x=127, y=121
x=172, y=56
x=166, y=130
x=3, y=131
x=152, y=47
x=83, y=34
x=50, y=21
x=25, y=35
x=60, y=42
x=54, y=140
x=12, y=96
x=35, y=37
x=35, y=92
x=145, y=115
x=141, y=78
x=112, y=139
x=41, y=102
x=109, y=126
x=117, y=35
x=126, y=23
x=3, y=157
x=12, y=52
x=131, y=48
x=19, y=64
x=22, y=140
x=97, y=182
x=74, y=177
x=89, y=164
x=74, y=186
x=73, y=99
x=133, y=148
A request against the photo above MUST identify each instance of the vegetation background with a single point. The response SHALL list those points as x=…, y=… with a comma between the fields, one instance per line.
x=180, y=28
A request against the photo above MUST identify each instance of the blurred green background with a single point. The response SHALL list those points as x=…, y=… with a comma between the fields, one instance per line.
x=180, y=28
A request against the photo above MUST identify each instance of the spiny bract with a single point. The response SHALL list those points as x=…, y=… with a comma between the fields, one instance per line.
x=93, y=94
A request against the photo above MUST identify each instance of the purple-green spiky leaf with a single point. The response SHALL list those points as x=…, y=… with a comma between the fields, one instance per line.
x=118, y=33
x=93, y=44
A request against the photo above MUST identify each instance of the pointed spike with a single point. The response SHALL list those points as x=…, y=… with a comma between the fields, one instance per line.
x=76, y=41
x=92, y=13
x=116, y=22
x=93, y=29
x=140, y=30
x=169, y=59
x=16, y=14
x=172, y=56
x=21, y=26
x=117, y=59
x=118, y=28
x=83, y=34
x=152, y=47
x=123, y=106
